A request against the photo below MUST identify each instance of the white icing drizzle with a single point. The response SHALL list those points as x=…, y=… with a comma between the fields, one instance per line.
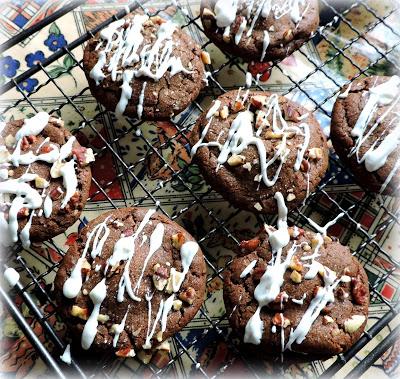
x=66, y=356
x=385, y=94
x=25, y=195
x=166, y=309
x=247, y=270
x=73, y=284
x=11, y=276
x=270, y=283
x=150, y=332
x=213, y=109
x=120, y=327
x=122, y=49
x=33, y=125
x=241, y=134
x=324, y=296
x=226, y=12
x=344, y=94
x=299, y=301
x=156, y=240
x=97, y=295
x=124, y=249
x=188, y=252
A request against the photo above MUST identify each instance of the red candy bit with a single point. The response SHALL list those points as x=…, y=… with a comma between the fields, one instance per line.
x=250, y=245
x=358, y=290
x=22, y=213
x=79, y=153
x=128, y=232
x=55, y=194
x=24, y=144
x=256, y=68
x=45, y=149
x=31, y=138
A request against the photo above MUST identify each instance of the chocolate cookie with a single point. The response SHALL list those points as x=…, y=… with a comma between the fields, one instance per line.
x=366, y=132
x=144, y=67
x=44, y=179
x=249, y=145
x=298, y=291
x=143, y=280
x=260, y=30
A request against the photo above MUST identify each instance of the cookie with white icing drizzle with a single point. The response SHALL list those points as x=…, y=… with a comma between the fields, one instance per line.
x=131, y=280
x=305, y=293
x=366, y=132
x=44, y=179
x=145, y=68
x=251, y=144
x=259, y=30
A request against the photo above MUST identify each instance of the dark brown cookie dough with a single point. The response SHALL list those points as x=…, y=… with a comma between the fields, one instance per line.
x=156, y=280
x=285, y=35
x=43, y=228
x=236, y=181
x=346, y=112
x=340, y=323
x=162, y=98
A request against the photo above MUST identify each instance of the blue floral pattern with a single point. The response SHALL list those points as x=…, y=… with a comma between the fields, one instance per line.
x=33, y=59
x=55, y=41
x=28, y=85
x=9, y=66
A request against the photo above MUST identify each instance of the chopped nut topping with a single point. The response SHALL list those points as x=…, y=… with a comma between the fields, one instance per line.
x=280, y=320
x=250, y=245
x=288, y=35
x=295, y=264
x=272, y=135
x=103, y=318
x=82, y=313
x=188, y=295
x=305, y=166
x=327, y=320
x=291, y=197
x=258, y=101
x=315, y=153
x=258, y=206
x=236, y=160
x=126, y=352
x=296, y=277
x=354, y=323
x=359, y=291
x=177, y=305
x=10, y=140
x=306, y=247
x=205, y=57
x=23, y=212
x=224, y=112
x=178, y=240
x=174, y=280
x=41, y=182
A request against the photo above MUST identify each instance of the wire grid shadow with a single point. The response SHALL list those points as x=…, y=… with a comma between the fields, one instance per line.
x=183, y=193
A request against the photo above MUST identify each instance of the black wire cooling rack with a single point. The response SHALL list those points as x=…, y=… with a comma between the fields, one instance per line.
x=326, y=202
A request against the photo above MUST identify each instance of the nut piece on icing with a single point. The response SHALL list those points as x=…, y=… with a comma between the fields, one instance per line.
x=354, y=323
x=41, y=182
x=224, y=112
x=295, y=264
x=280, y=320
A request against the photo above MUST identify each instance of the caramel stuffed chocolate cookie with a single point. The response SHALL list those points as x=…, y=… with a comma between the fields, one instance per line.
x=132, y=279
x=45, y=179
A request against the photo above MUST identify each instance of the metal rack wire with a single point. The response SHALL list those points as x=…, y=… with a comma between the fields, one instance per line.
x=324, y=202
